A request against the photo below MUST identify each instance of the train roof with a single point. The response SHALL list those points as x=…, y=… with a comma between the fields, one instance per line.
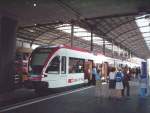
x=68, y=47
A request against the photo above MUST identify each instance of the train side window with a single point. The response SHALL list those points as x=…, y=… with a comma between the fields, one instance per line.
x=63, y=64
x=76, y=65
x=54, y=65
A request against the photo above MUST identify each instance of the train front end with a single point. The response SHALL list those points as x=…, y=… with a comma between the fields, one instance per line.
x=37, y=64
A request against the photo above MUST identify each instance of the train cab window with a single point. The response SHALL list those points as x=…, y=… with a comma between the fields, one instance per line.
x=63, y=64
x=76, y=65
x=54, y=65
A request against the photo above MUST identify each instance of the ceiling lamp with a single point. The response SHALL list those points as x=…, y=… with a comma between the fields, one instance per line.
x=34, y=5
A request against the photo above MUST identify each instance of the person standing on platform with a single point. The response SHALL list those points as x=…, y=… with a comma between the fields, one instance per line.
x=98, y=83
x=94, y=74
x=112, y=81
x=119, y=82
x=126, y=79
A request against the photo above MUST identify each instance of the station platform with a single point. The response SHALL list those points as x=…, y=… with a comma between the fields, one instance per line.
x=16, y=96
x=82, y=100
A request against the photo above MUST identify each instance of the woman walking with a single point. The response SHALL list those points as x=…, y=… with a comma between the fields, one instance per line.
x=112, y=81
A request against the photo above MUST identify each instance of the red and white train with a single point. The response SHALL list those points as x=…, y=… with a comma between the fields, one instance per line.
x=61, y=66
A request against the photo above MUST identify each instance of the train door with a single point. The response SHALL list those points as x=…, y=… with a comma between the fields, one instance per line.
x=88, y=70
x=104, y=70
x=63, y=71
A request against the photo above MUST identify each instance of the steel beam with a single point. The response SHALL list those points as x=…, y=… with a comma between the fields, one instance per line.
x=123, y=33
x=91, y=39
x=103, y=46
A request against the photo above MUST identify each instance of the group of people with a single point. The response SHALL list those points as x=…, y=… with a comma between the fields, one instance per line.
x=118, y=80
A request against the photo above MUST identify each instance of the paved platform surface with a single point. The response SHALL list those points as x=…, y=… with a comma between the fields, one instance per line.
x=23, y=94
x=84, y=101
x=17, y=95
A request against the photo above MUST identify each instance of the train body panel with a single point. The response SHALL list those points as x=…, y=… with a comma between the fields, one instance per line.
x=68, y=79
x=62, y=66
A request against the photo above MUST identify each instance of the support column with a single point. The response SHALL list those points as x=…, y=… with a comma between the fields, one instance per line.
x=130, y=54
x=8, y=27
x=112, y=49
x=123, y=55
x=103, y=46
x=118, y=51
x=31, y=45
x=72, y=33
x=91, y=40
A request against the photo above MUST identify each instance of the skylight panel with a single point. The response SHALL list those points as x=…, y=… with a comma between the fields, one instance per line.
x=80, y=34
x=83, y=34
x=147, y=39
x=86, y=38
x=145, y=29
x=146, y=34
x=143, y=22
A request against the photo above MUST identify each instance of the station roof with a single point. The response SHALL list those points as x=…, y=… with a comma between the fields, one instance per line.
x=112, y=20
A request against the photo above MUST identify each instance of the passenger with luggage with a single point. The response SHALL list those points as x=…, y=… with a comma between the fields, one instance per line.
x=119, y=82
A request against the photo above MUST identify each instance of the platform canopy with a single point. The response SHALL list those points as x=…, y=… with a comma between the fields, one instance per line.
x=111, y=21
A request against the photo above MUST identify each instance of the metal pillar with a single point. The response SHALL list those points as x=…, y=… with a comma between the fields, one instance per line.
x=123, y=53
x=103, y=46
x=8, y=27
x=112, y=49
x=72, y=33
x=31, y=45
x=130, y=54
x=118, y=51
x=91, y=40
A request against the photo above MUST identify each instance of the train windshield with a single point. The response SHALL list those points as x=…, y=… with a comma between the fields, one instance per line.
x=38, y=58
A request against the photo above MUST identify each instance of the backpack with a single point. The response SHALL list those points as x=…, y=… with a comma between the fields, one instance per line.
x=126, y=77
x=118, y=77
